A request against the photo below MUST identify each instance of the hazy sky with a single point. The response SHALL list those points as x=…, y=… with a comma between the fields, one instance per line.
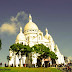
x=56, y=15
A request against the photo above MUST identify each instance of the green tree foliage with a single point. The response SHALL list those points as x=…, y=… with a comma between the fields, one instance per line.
x=44, y=51
x=24, y=49
x=53, y=55
x=16, y=47
x=38, y=48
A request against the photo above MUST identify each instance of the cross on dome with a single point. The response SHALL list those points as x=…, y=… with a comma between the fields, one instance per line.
x=20, y=29
x=46, y=36
x=30, y=18
x=46, y=31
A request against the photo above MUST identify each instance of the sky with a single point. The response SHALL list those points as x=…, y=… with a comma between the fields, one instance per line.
x=55, y=15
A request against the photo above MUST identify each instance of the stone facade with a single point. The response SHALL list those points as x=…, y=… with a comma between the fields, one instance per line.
x=31, y=36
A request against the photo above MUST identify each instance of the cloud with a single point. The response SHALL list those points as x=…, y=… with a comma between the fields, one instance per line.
x=20, y=18
x=12, y=26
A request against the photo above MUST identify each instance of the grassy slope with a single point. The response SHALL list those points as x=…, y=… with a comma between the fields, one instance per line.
x=20, y=69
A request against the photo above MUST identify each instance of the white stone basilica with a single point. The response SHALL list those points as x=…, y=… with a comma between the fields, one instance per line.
x=31, y=36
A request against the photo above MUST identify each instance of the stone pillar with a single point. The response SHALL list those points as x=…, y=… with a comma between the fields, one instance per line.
x=21, y=65
x=35, y=64
x=16, y=61
x=23, y=59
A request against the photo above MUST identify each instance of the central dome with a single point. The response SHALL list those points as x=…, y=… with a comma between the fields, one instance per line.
x=30, y=25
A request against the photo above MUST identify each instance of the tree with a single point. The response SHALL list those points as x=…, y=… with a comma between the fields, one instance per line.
x=53, y=56
x=24, y=49
x=16, y=47
x=42, y=50
x=8, y=58
x=27, y=51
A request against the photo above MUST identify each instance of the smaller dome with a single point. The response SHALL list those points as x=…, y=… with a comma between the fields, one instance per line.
x=46, y=36
x=20, y=36
x=50, y=36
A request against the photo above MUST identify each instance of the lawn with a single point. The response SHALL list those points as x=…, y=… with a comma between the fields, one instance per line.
x=22, y=69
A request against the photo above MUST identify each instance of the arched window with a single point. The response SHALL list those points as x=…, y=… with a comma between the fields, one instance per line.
x=21, y=43
x=39, y=38
x=33, y=30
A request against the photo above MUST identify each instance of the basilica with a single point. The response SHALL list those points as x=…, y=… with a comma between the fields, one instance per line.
x=31, y=36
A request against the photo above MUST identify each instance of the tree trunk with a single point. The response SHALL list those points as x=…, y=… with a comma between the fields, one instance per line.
x=29, y=60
